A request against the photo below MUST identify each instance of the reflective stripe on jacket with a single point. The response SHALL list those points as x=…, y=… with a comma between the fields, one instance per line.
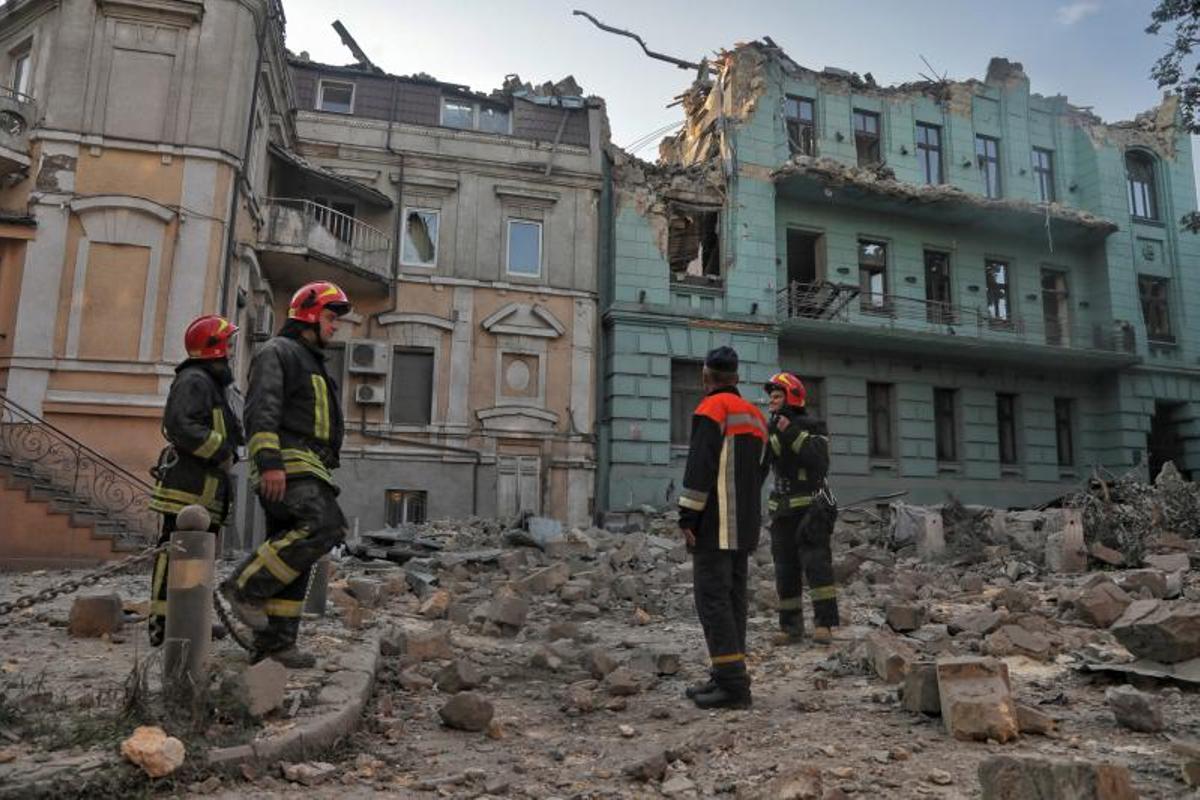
x=799, y=456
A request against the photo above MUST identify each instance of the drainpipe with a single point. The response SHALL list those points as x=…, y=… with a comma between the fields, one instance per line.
x=397, y=227
x=239, y=175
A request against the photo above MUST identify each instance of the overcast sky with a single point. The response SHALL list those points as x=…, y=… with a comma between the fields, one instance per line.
x=1094, y=51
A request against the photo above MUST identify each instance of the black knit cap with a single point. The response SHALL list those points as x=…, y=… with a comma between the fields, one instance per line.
x=722, y=359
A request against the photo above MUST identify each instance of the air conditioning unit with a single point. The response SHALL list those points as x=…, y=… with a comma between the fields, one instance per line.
x=367, y=358
x=264, y=322
x=367, y=395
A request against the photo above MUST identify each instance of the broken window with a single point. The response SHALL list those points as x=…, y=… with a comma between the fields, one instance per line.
x=470, y=115
x=693, y=247
x=1043, y=173
x=686, y=393
x=1055, y=308
x=997, y=290
x=493, y=120
x=405, y=507
x=524, y=248
x=335, y=96
x=1063, y=430
x=1006, y=427
x=420, y=237
x=879, y=419
x=987, y=154
x=458, y=113
x=21, y=74
x=866, y=137
x=1156, y=311
x=801, y=125
x=929, y=152
x=945, y=415
x=938, y=293
x=411, y=400
x=872, y=276
x=1140, y=170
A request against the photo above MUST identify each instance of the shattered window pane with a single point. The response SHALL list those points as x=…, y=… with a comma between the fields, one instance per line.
x=1142, y=199
x=866, y=137
x=1154, y=294
x=420, y=237
x=997, y=290
x=929, y=152
x=801, y=125
x=693, y=246
x=1006, y=427
x=1043, y=174
x=337, y=97
x=524, y=248
x=458, y=114
x=493, y=120
x=872, y=276
x=987, y=154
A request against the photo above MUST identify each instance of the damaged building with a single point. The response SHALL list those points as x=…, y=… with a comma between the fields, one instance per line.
x=984, y=289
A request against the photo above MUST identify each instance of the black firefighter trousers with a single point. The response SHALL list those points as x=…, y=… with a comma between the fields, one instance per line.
x=798, y=556
x=306, y=525
x=719, y=583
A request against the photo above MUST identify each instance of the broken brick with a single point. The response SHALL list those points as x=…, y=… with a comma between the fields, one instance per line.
x=1023, y=777
x=905, y=617
x=1138, y=711
x=889, y=656
x=93, y=616
x=976, y=699
x=1165, y=631
x=1102, y=604
x=920, y=691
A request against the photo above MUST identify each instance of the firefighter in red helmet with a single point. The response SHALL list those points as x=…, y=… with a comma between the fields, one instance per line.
x=203, y=436
x=295, y=427
x=802, y=511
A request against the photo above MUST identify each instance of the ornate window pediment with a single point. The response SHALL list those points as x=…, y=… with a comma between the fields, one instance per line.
x=524, y=319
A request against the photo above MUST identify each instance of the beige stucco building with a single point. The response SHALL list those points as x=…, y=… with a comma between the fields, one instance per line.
x=465, y=228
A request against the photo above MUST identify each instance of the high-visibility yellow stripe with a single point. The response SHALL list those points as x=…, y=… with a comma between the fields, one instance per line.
x=723, y=498
x=693, y=499
x=801, y=438
x=219, y=421
x=263, y=440
x=267, y=556
x=732, y=658
x=799, y=501
x=823, y=592
x=320, y=409
x=158, y=608
x=791, y=603
x=211, y=445
x=160, y=575
x=775, y=445
x=283, y=608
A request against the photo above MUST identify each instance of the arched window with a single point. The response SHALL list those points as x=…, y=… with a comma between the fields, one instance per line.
x=1139, y=169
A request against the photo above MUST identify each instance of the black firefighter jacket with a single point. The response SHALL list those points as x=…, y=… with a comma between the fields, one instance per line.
x=721, y=498
x=293, y=413
x=204, y=435
x=800, y=457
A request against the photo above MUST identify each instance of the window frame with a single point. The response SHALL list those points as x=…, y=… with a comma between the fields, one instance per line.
x=402, y=497
x=508, y=226
x=863, y=135
x=991, y=297
x=437, y=212
x=1153, y=281
x=939, y=312
x=865, y=304
x=684, y=422
x=1064, y=424
x=21, y=70
x=390, y=404
x=1003, y=398
x=323, y=82
x=986, y=163
x=796, y=144
x=888, y=390
x=1043, y=174
x=926, y=151
x=476, y=110
x=1149, y=187
x=941, y=397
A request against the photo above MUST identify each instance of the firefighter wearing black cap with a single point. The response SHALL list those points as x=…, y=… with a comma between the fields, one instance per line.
x=720, y=516
x=801, y=526
x=203, y=436
x=294, y=421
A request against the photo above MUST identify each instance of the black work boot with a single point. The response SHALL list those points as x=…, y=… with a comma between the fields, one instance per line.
x=723, y=697
x=290, y=657
x=699, y=688
x=248, y=612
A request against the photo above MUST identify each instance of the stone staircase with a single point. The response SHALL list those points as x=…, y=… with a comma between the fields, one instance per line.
x=61, y=503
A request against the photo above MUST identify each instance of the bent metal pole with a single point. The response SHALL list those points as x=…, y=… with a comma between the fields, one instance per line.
x=190, y=578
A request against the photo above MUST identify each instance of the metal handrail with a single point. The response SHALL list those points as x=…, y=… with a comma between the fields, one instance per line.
x=811, y=301
x=350, y=230
x=58, y=458
x=20, y=97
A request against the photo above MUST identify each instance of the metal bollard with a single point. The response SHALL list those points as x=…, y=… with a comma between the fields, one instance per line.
x=190, y=580
x=318, y=588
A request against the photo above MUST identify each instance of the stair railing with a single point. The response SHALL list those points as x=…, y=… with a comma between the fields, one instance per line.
x=99, y=486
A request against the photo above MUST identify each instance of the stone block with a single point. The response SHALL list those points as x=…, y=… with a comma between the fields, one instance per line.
x=1102, y=604
x=367, y=591
x=905, y=617
x=599, y=663
x=1138, y=711
x=311, y=773
x=95, y=615
x=1169, y=562
x=920, y=691
x=1034, y=721
x=889, y=656
x=436, y=605
x=979, y=623
x=976, y=699
x=547, y=580
x=467, y=711
x=1160, y=631
x=1024, y=777
x=460, y=675
x=509, y=609
x=417, y=644
x=1151, y=581
x=1014, y=640
x=260, y=687
x=1106, y=555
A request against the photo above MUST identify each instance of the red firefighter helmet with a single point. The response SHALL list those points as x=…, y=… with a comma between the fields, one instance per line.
x=208, y=337
x=311, y=298
x=791, y=386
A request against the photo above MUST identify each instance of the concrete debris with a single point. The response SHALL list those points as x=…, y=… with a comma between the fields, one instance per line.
x=905, y=617
x=467, y=711
x=920, y=691
x=1033, y=721
x=889, y=656
x=1167, y=631
x=260, y=688
x=1102, y=604
x=1023, y=777
x=802, y=783
x=154, y=751
x=311, y=773
x=1013, y=640
x=93, y=616
x=458, y=676
x=976, y=699
x=418, y=644
x=1138, y=711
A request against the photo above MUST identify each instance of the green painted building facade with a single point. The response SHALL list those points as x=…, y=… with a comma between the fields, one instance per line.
x=987, y=291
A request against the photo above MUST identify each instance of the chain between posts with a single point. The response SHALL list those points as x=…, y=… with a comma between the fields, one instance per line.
x=75, y=584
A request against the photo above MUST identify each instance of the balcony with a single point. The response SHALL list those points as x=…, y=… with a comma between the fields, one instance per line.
x=839, y=315
x=303, y=241
x=18, y=113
